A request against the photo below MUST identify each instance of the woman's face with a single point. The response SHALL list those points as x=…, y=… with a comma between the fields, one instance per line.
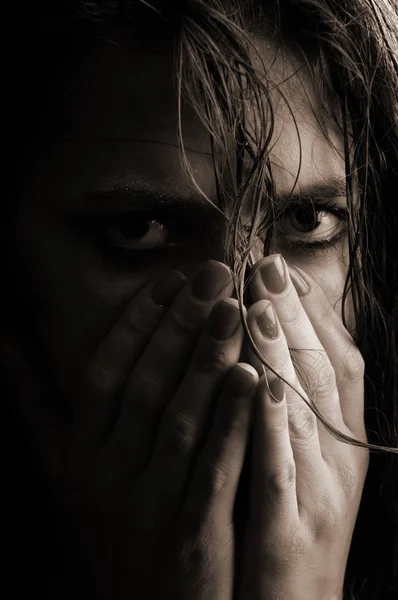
x=121, y=157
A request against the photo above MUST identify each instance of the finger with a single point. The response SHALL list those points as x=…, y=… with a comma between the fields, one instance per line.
x=164, y=361
x=116, y=355
x=313, y=366
x=344, y=355
x=186, y=420
x=269, y=338
x=212, y=490
x=273, y=487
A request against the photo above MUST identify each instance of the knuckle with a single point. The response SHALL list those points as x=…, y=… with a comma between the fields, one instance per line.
x=181, y=323
x=282, y=365
x=302, y=422
x=316, y=372
x=283, y=479
x=137, y=322
x=292, y=312
x=180, y=433
x=146, y=392
x=354, y=365
x=104, y=381
x=195, y=557
x=323, y=384
x=212, y=359
x=232, y=424
x=324, y=521
x=322, y=309
x=277, y=428
x=214, y=478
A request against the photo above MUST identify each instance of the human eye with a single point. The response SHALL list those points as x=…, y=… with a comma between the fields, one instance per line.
x=311, y=226
x=140, y=233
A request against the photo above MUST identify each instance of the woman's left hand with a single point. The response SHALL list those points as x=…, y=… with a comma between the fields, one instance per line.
x=306, y=486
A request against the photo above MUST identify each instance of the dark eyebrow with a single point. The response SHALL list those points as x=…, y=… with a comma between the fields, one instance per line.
x=317, y=192
x=146, y=196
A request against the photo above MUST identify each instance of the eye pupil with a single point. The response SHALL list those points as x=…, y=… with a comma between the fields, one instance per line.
x=304, y=219
x=134, y=228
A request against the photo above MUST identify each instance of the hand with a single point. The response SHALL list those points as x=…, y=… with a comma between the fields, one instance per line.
x=146, y=492
x=306, y=486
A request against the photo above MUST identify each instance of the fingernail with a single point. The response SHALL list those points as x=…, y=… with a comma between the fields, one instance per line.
x=167, y=288
x=274, y=274
x=277, y=390
x=240, y=380
x=268, y=323
x=224, y=319
x=301, y=286
x=210, y=280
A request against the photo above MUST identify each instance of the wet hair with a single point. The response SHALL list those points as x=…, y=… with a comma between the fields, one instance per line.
x=351, y=52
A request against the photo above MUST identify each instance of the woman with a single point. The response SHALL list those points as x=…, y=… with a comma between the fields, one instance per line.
x=188, y=418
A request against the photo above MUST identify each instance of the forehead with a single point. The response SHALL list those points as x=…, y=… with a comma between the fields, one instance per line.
x=126, y=99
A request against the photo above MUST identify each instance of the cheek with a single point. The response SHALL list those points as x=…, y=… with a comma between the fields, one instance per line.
x=72, y=297
x=75, y=295
x=332, y=279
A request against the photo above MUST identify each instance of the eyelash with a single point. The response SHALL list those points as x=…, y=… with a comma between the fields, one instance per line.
x=190, y=224
x=325, y=245
x=96, y=228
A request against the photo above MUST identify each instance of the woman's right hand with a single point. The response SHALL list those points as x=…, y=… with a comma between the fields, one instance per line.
x=146, y=478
